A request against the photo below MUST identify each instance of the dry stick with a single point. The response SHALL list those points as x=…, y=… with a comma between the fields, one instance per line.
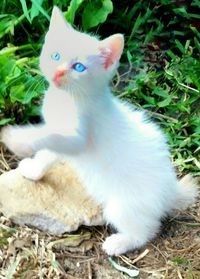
x=127, y=261
x=41, y=257
x=89, y=270
x=188, y=87
x=124, y=74
x=76, y=256
x=71, y=277
x=154, y=270
x=132, y=262
x=127, y=72
x=179, y=274
x=181, y=250
x=126, y=93
x=141, y=256
x=152, y=113
x=102, y=234
x=188, y=224
x=87, y=260
x=97, y=253
x=163, y=256
x=3, y=161
x=118, y=80
x=197, y=252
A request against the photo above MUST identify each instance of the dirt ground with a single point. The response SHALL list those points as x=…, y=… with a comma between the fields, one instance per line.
x=29, y=253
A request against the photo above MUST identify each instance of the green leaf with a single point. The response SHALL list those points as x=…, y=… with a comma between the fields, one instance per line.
x=187, y=45
x=29, y=95
x=7, y=25
x=7, y=66
x=160, y=92
x=180, y=261
x=34, y=9
x=181, y=11
x=25, y=10
x=5, y=121
x=164, y=103
x=71, y=240
x=96, y=12
x=136, y=26
x=129, y=56
x=194, y=15
x=34, y=110
x=172, y=55
x=39, y=7
x=180, y=46
x=17, y=93
x=150, y=100
x=195, y=3
x=20, y=94
x=72, y=8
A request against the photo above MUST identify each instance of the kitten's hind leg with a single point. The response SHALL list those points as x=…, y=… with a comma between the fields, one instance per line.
x=35, y=168
x=134, y=228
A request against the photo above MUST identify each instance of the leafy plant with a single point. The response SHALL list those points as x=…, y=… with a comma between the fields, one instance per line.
x=21, y=87
x=96, y=12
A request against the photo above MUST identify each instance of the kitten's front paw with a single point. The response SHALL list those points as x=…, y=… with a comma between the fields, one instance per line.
x=13, y=138
x=117, y=244
x=31, y=169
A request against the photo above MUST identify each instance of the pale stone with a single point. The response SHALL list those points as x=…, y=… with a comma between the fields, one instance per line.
x=57, y=203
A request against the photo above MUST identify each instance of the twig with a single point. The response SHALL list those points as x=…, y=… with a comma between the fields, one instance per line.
x=3, y=161
x=87, y=260
x=141, y=256
x=188, y=224
x=118, y=79
x=188, y=87
x=154, y=270
x=161, y=253
x=127, y=92
x=89, y=270
x=179, y=274
x=126, y=261
x=152, y=113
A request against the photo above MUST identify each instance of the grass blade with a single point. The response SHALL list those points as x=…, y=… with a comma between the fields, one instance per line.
x=41, y=9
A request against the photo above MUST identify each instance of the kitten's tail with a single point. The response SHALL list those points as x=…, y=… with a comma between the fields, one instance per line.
x=187, y=192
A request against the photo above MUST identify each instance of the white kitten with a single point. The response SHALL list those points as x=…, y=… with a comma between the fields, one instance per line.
x=120, y=156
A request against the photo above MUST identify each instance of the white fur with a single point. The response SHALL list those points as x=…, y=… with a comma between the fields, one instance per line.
x=120, y=156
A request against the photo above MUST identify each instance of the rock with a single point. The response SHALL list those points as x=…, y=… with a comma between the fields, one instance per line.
x=57, y=203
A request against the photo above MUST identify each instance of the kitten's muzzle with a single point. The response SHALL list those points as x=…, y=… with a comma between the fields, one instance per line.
x=58, y=77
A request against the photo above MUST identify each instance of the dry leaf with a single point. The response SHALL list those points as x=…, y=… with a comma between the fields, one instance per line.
x=69, y=241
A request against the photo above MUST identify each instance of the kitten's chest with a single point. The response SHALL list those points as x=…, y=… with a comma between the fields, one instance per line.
x=59, y=108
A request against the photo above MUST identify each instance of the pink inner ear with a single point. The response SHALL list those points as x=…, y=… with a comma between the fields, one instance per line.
x=110, y=59
x=111, y=49
x=107, y=57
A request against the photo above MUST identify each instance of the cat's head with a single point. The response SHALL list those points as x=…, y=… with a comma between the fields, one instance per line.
x=73, y=60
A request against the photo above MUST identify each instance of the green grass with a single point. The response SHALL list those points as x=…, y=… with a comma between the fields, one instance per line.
x=162, y=52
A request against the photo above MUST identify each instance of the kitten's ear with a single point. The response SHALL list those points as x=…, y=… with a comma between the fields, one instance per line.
x=58, y=20
x=111, y=49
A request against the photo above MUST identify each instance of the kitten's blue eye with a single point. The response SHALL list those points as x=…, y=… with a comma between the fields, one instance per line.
x=55, y=56
x=79, y=67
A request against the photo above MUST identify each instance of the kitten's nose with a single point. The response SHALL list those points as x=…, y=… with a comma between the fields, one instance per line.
x=58, y=75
